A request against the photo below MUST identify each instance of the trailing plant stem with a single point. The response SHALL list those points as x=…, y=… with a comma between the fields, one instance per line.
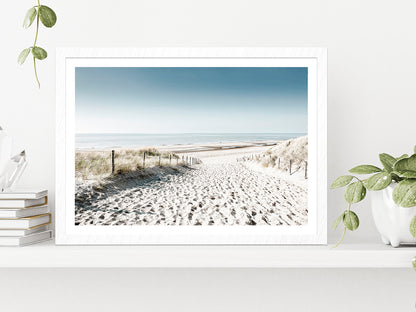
x=47, y=17
x=34, y=44
x=36, y=73
x=342, y=238
x=343, y=233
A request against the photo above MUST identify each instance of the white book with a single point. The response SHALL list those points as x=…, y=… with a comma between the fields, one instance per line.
x=25, y=240
x=24, y=194
x=22, y=203
x=34, y=230
x=25, y=223
x=23, y=212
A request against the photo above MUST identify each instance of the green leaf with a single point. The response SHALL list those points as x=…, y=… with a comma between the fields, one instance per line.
x=39, y=53
x=351, y=221
x=406, y=174
x=412, y=227
x=30, y=17
x=395, y=177
x=403, y=156
x=378, y=181
x=414, y=263
x=387, y=161
x=342, y=181
x=365, y=169
x=414, y=150
x=404, y=194
x=47, y=16
x=406, y=164
x=355, y=192
x=406, y=167
x=338, y=220
x=22, y=56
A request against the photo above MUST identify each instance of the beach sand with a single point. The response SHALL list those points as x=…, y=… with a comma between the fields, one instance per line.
x=219, y=191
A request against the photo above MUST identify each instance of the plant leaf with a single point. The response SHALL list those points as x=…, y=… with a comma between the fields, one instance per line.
x=22, y=56
x=406, y=164
x=378, y=181
x=338, y=220
x=406, y=174
x=365, y=169
x=406, y=167
x=355, y=192
x=47, y=16
x=412, y=227
x=39, y=53
x=387, y=161
x=414, y=150
x=403, y=156
x=351, y=221
x=414, y=263
x=342, y=181
x=30, y=17
x=395, y=177
x=404, y=194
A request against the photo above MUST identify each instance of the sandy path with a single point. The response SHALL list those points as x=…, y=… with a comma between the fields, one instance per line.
x=221, y=191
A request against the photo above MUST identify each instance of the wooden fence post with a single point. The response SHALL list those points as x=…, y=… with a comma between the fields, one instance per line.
x=159, y=160
x=170, y=159
x=112, y=162
x=290, y=167
x=306, y=169
x=279, y=164
x=144, y=160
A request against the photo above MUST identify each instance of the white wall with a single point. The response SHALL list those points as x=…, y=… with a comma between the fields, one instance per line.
x=371, y=99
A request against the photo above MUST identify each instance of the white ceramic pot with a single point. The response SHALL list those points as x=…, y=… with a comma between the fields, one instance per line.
x=391, y=220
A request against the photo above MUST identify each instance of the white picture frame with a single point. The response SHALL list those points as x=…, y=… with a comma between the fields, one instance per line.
x=315, y=232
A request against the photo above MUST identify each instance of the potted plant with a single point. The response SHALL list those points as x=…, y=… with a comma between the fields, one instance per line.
x=393, y=200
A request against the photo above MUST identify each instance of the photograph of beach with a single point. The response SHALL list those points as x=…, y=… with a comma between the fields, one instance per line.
x=191, y=146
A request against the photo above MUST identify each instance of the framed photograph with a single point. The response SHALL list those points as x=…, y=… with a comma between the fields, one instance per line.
x=191, y=146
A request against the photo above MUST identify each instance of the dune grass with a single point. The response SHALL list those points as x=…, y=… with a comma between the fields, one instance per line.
x=294, y=150
x=97, y=164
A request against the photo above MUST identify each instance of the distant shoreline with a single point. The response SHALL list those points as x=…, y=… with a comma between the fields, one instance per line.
x=189, y=148
x=179, y=140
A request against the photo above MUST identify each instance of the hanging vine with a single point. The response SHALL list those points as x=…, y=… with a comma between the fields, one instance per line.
x=45, y=15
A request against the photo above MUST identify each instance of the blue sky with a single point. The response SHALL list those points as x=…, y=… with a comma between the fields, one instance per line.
x=191, y=100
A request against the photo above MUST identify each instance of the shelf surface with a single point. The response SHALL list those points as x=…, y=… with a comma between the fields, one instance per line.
x=48, y=255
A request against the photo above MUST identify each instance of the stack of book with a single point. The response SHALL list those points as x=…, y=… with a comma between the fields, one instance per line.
x=24, y=218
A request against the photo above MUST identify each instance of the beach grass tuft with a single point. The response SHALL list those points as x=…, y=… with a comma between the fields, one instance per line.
x=95, y=165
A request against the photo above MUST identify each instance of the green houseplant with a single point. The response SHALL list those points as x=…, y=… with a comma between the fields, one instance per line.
x=45, y=15
x=398, y=172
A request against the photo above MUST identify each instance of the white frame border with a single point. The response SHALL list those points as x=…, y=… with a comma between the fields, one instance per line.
x=66, y=236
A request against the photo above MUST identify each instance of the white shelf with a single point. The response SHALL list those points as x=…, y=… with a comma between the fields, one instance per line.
x=47, y=255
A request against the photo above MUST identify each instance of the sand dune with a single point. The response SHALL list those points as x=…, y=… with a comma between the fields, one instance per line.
x=220, y=191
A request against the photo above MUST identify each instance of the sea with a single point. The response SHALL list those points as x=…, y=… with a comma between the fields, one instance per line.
x=128, y=140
